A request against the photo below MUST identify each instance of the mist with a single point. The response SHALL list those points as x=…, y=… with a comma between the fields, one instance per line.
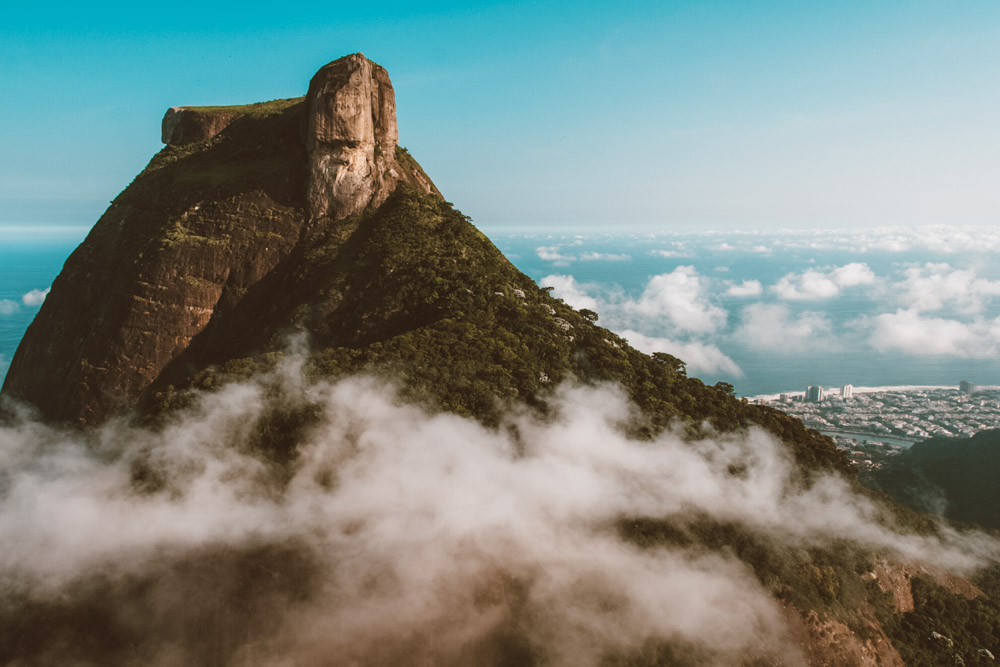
x=394, y=535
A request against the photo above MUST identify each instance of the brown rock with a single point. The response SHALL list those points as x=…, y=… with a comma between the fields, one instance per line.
x=202, y=238
x=185, y=126
x=351, y=138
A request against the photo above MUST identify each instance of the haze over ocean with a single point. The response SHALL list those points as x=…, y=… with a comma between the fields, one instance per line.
x=776, y=311
x=576, y=116
x=766, y=311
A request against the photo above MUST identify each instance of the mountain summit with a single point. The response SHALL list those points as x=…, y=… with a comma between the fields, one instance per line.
x=219, y=210
x=531, y=490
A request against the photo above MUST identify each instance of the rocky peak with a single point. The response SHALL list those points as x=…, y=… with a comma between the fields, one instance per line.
x=350, y=138
x=217, y=218
x=182, y=125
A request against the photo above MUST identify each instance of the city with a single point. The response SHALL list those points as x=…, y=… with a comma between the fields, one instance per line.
x=872, y=423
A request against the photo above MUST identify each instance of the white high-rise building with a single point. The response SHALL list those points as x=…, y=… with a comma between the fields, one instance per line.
x=814, y=394
x=847, y=391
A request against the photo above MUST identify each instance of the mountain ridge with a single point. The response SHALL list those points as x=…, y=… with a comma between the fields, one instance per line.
x=293, y=220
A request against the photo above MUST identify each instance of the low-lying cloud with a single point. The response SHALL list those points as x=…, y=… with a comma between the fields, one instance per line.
x=934, y=286
x=747, y=288
x=773, y=327
x=673, y=314
x=35, y=297
x=700, y=357
x=911, y=332
x=812, y=285
x=401, y=536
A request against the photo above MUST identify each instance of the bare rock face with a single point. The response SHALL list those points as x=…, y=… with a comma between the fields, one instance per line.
x=185, y=126
x=202, y=234
x=351, y=138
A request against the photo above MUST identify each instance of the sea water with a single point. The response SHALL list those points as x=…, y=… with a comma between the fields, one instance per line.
x=915, y=307
x=807, y=325
x=30, y=259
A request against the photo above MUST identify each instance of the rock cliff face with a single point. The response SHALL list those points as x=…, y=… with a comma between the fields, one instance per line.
x=219, y=211
x=187, y=126
x=350, y=137
x=302, y=219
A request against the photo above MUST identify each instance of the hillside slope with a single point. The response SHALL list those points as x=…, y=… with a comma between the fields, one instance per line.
x=951, y=477
x=297, y=234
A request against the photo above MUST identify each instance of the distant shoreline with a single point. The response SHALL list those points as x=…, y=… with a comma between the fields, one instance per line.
x=902, y=388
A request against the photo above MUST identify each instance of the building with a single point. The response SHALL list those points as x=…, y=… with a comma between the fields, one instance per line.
x=847, y=391
x=814, y=394
x=966, y=387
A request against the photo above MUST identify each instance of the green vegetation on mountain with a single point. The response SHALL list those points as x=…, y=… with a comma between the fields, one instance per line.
x=416, y=291
x=222, y=259
x=945, y=628
x=954, y=477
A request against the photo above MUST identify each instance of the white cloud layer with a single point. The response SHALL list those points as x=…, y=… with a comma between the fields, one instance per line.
x=35, y=297
x=680, y=300
x=660, y=252
x=566, y=288
x=934, y=286
x=421, y=537
x=604, y=256
x=8, y=307
x=773, y=328
x=552, y=254
x=910, y=332
x=745, y=289
x=813, y=285
x=700, y=358
x=676, y=304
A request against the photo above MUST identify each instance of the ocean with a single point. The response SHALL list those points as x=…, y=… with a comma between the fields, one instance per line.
x=30, y=259
x=766, y=312
x=776, y=311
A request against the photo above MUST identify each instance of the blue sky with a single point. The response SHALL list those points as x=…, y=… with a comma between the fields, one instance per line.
x=665, y=114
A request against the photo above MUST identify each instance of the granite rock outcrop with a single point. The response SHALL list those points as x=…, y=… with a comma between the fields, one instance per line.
x=220, y=213
x=183, y=125
x=351, y=137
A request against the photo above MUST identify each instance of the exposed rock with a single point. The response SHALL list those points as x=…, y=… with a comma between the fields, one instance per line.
x=896, y=579
x=830, y=643
x=202, y=233
x=351, y=138
x=182, y=125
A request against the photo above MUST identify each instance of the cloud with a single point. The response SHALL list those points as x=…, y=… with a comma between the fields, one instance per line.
x=8, y=307
x=910, y=332
x=570, y=291
x=551, y=254
x=675, y=304
x=679, y=299
x=397, y=536
x=698, y=357
x=676, y=301
x=669, y=253
x=814, y=285
x=35, y=297
x=602, y=256
x=934, y=286
x=948, y=239
x=746, y=288
x=772, y=328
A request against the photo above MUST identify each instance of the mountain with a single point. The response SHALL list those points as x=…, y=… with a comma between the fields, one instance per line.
x=951, y=477
x=296, y=239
